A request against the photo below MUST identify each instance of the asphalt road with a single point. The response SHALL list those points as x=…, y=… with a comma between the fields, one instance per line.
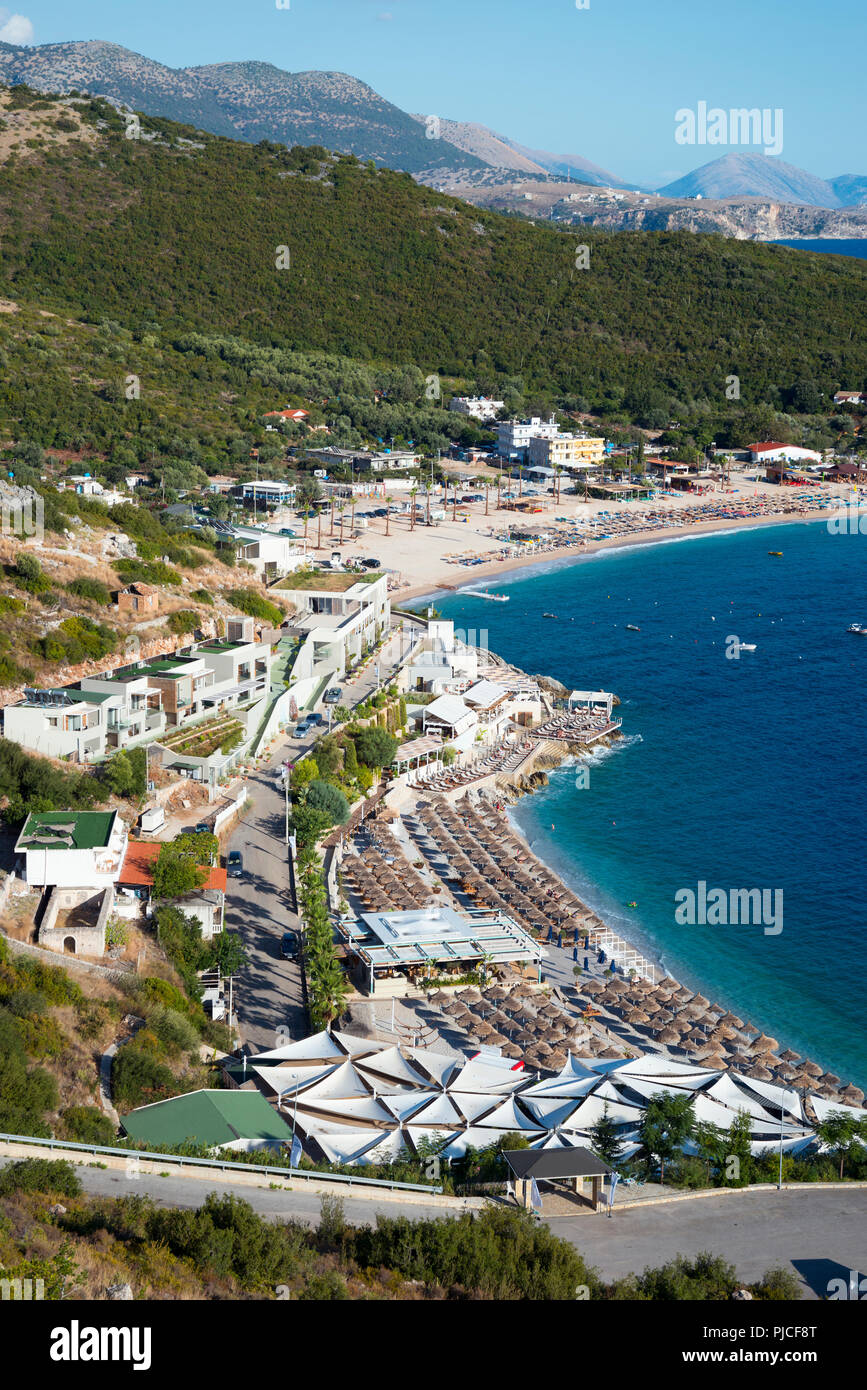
x=268, y=994
x=820, y=1235
x=259, y=907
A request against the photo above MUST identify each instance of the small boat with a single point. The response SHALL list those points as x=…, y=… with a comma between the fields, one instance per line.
x=746, y=646
x=632, y=627
x=858, y=629
x=778, y=553
x=486, y=593
x=549, y=615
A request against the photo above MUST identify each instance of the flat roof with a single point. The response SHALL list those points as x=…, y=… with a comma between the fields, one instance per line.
x=438, y=934
x=327, y=581
x=137, y=870
x=218, y=647
x=67, y=830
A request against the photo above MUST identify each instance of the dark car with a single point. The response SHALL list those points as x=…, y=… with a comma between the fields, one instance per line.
x=332, y=696
x=235, y=864
x=289, y=945
x=203, y=828
x=314, y=719
x=370, y=563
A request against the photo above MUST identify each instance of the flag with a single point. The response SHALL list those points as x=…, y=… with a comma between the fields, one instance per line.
x=295, y=1155
x=535, y=1198
x=614, y=1179
x=510, y=1188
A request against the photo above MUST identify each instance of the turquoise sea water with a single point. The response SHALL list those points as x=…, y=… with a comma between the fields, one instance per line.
x=740, y=773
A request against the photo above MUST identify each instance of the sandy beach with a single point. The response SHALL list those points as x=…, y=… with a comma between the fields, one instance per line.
x=425, y=559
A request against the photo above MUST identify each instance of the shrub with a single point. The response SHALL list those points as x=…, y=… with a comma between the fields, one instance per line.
x=202, y=596
x=174, y=1030
x=84, y=1124
x=138, y=1077
x=8, y=604
x=92, y=589
x=328, y=799
x=183, y=621
x=28, y=574
x=40, y=1175
x=252, y=603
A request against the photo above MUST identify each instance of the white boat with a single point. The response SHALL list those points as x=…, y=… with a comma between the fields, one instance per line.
x=485, y=593
x=858, y=629
x=746, y=646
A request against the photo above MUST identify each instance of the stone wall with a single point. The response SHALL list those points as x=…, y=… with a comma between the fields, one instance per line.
x=86, y=927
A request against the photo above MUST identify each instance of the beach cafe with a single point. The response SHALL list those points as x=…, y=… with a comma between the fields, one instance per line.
x=393, y=952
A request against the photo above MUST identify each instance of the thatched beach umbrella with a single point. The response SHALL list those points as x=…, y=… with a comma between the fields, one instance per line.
x=760, y=1074
x=830, y=1080
x=611, y=1052
x=790, y=1056
x=811, y=1068
x=764, y=1043
x=852, y=1094
x=439, y=997
x=669, y=1036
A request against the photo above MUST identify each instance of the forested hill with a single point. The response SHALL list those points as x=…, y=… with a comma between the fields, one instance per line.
x=182, y=231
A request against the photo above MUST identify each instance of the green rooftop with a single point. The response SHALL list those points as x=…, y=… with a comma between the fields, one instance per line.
x=326, y=581
x=218, y=648
x=208, y=1117
x=66, y=830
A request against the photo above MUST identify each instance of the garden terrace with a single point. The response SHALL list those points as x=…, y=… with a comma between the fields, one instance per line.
x=326, y=581
x=204, y=739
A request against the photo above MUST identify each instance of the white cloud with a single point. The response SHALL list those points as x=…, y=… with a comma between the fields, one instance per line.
x=15, y=28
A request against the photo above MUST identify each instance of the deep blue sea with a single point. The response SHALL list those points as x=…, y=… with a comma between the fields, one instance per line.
x=836, y=248
x=740, y=773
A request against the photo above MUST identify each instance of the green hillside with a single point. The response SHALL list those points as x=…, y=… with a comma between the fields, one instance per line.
x=179, y=232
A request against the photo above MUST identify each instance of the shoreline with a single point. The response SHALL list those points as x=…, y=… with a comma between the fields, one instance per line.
x=564, y=553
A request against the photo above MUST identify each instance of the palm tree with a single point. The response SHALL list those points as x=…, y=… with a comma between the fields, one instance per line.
x=331, y=532
x=319, y=532
x=454, y=501
x=520, y=479
x=353, y=504
x=499, y=485
x=340, y=510
x=557, y=471
x=388, y=502
x=412, y=494
x=427, y=502
x=487, y=487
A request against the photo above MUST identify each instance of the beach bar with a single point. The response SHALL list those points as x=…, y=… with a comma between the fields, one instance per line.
x=396, y=951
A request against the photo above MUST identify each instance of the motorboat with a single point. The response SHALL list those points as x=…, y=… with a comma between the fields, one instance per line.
x=632, y=627
x=485, y=593
x=858, y=629
x=746, y=646
x=777, y=553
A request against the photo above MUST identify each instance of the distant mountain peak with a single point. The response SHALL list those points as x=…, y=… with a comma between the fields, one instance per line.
x=753, y=175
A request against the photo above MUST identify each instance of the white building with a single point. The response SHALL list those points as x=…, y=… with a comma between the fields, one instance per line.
x=773, y=451
x=270, y=554
x=72, y=849
x=338, y=614
x=439, y=663
x=266, y=493
x=513, y=436
x=450, y=718
x=476, y=407
x=119, y=709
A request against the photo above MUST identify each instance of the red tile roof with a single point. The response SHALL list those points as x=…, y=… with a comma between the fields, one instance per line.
x=137, y=869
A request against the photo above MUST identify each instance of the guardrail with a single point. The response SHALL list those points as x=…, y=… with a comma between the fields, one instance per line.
x=222, y=1165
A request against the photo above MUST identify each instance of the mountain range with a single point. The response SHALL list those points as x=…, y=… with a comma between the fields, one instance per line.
x=255, y=101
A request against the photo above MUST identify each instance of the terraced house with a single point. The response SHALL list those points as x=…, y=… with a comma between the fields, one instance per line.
x=142, y=703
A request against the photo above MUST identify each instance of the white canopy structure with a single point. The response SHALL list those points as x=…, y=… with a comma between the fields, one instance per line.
x=357, y=1100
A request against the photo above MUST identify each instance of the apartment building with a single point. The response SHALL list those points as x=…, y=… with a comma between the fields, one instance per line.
x=440, y=663
x=513, y=436
x=119, y=709
x=338, y=614
x=567, y=451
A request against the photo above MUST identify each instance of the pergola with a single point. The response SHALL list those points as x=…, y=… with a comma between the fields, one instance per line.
x=550, y=1165
x=419, y=750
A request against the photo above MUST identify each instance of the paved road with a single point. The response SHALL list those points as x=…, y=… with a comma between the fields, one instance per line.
x=297, y=1205
x=259, y=908
x=820, y=1235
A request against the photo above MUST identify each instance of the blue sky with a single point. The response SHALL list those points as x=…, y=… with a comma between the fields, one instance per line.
x=603, y=82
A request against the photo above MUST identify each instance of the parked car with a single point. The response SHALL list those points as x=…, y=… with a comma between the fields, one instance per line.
x=370, y=563
x=313, y=719
x=235, y=864
x=289, y=945
x=203, y=828
x=302, y=729
x=333, y=696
